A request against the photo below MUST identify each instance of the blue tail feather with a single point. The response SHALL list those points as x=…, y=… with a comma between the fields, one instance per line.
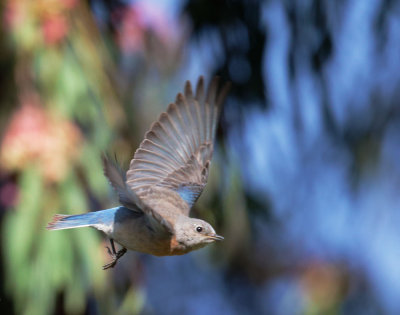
x=103, y=217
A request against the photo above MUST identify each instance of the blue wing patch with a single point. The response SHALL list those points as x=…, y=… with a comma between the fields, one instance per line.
x=190, y=193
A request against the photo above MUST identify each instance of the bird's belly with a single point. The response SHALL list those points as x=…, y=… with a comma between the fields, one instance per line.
x=156, y=247
x=133, y=234
x=144, y=245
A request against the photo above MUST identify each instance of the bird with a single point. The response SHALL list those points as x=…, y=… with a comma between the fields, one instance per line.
x=165, y=178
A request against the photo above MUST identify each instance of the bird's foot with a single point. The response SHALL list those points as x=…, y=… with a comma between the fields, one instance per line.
x=115, y=256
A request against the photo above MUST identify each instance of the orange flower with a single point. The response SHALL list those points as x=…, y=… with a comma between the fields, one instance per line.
x=35, y=136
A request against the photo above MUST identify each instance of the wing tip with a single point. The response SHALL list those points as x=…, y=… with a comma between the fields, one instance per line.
x=200, y=88
x=223, y=93
x=171, y=108
x=212, y=90
x=180, y=98
x=188, y=90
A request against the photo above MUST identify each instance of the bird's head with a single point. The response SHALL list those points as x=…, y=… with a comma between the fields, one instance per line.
x=194, y=233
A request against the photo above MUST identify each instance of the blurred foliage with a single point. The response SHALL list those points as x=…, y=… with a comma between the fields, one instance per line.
x=67, y=109
x=304, y=181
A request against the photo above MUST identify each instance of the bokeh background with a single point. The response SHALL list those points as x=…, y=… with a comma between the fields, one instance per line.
x=305, y=180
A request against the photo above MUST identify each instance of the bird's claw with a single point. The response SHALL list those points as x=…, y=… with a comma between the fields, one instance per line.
x=115, y=257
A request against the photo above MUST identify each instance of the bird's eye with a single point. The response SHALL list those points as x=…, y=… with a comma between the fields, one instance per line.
x=199, y=229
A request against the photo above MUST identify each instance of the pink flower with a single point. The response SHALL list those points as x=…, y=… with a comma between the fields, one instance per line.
x=140, y=20
x=38, y=137
x=54, y=28
x=69, y=4
x=14, y=14
x=131, y=32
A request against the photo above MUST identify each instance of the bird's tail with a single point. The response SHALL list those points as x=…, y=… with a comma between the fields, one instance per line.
x=61, y=222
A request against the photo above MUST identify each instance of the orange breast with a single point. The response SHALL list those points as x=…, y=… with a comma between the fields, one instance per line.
x=176, y=248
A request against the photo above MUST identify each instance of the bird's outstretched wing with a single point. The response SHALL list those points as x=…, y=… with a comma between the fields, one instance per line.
x=177, y=150
x=130, y=200
x=117, y=180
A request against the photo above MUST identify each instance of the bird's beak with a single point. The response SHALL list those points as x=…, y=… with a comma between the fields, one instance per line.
x=215, y=237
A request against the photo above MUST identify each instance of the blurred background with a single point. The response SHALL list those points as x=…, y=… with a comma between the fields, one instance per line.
x=305, y=180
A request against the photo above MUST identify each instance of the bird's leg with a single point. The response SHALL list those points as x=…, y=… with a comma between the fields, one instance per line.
x=114, y=255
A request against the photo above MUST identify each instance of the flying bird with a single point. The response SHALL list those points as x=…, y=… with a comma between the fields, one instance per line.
x=166, y=176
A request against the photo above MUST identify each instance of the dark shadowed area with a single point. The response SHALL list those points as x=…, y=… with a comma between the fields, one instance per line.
x=305, y=179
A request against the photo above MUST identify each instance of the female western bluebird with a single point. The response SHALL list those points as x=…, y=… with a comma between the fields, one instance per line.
x=166, y=176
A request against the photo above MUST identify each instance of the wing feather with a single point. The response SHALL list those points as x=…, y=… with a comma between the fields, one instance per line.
x=129, y=199
x=177, y=150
